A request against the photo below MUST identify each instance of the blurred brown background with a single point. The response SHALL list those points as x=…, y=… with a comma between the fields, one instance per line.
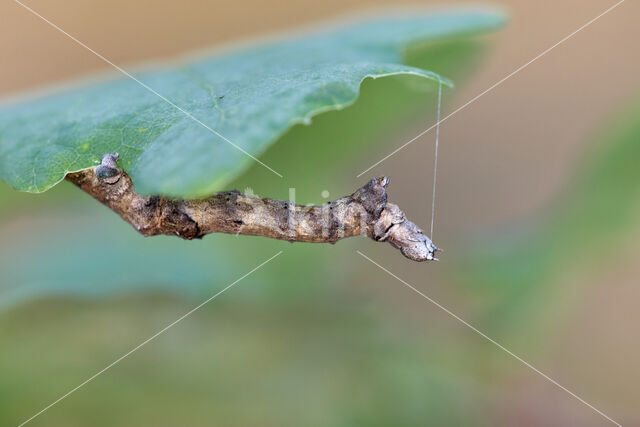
x=503, y=158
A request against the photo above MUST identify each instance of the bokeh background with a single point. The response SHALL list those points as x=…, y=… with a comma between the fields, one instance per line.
x=538, y=204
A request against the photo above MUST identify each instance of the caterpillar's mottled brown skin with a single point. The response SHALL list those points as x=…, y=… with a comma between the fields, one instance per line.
x=365, y=212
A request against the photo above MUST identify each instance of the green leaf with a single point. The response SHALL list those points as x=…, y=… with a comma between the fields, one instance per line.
x=252, y=97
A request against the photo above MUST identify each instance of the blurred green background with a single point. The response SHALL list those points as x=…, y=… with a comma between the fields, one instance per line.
x=537, y=211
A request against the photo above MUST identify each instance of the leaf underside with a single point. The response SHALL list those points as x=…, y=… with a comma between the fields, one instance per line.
x=250, y=96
